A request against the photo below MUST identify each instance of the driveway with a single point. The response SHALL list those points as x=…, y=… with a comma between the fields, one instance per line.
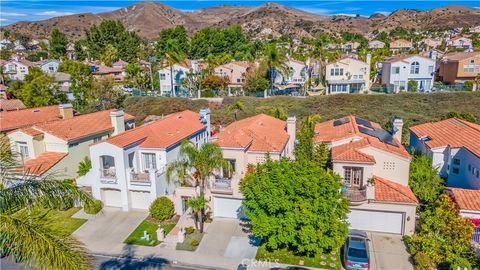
x=388, y=252
x=105, y=232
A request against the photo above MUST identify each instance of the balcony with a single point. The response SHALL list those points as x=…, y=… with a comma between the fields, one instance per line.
x=221, y=185
x=140, y=179
x=355, y=196
x=108, y=176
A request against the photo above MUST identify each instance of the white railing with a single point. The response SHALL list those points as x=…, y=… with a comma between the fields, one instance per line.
x=108, y=175
x=221, y=185
x=139, y=178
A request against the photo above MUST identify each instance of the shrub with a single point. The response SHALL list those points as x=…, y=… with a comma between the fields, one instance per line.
x=84, y=166
x=422, y=261
x=412, y=86
x=468, y=85
x=93, y=208
x=189, y=230
x=194, y=243
x=162, y=209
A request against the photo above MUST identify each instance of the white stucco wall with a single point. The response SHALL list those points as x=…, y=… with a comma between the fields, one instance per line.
x=389, y=166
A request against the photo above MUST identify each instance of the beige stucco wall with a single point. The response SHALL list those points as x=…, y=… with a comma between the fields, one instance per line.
x=34, y=145
x=339, y=168
x=389, y=166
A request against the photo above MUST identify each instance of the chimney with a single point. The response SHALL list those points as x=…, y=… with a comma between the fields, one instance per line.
x=205, y=119
x=291, y=131
x=66, y=110
x=118, y=121
x=397, y=126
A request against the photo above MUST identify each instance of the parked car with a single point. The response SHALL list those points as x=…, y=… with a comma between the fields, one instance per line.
x=355, y=253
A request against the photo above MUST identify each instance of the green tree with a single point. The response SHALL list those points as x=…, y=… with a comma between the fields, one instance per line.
x=81, y=80
x=443, y=239
x=80, y=53
x=195, y=166
x=275, y=60
x=104, y=96
x=58, y=44
x=109, y=56
x=178, y=35
x=197, y=203
x=39, y=90
x=24, y=233
x=214, y=82
x=256, y=81
x=138, y=76
x=5, y=54
x=296, y=205
x=278, y=112
x=412, y=86
x=306, y=149
x=84, y=166
x=236, y=107
x=424, y=179
x=464, y=116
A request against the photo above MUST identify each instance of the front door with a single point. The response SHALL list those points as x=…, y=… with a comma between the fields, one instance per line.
x=353, y=176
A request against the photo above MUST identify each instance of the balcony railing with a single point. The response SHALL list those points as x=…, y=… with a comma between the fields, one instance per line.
x=139, y=178
x=221, y=186
x=108, y=175
x=356, y=195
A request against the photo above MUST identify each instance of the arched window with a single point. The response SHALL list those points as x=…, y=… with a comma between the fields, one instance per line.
x=415, y=68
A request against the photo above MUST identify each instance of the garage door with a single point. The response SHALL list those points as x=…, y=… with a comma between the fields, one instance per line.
x=112, y=197
x=387, y=222
x=227, y=207
x=140, y=199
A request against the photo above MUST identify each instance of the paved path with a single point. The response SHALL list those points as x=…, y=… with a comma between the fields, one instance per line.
x=388, y=252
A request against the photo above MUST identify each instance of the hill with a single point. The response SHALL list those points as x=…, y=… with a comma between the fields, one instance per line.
x=148, y=18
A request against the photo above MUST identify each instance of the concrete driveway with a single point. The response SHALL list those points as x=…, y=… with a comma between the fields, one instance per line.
x=105, y=232
x=388, y=252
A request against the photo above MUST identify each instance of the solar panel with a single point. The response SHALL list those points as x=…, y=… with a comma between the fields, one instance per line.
x=381, y=134
x=363, y=122
x=340, y=122
x=367, y=131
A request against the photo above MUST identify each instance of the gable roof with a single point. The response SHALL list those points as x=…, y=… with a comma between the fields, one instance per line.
x=11, y=104
x=404, y=57
x=80, y=126
x=451, y=132
x=28, y=117
x=161, y=133
x=455, y=57
x=388, y=191
x=260, y=133
x=42, y=163
x=466, y=199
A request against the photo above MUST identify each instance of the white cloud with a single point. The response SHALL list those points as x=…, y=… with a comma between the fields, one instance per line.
x=3, y=20
x=53, y=13
x=386, y=13
x=11, y=14
x=348, y=14
x=320, y=11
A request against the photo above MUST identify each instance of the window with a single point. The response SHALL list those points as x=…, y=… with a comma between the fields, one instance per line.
x=23, y=149
x=455, y=170
x=456, y=161
x=162, y=76
x=353, y=176
x=338, y=88
x=336, y=71
x=149, y=161
x=415, y=68
x=130, y=159
x=229, y=168
x=469, y=167
x=395, y=70
x=430, y=69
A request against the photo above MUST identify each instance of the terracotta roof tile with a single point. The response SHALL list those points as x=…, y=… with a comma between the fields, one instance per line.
x=161, y=133
x=388, y=191
x=11, y=104
x=351, y=152
x=261, y=133
x=31, y=131
x=453, y=132
x=43, y=162
x=28, y=117
x=460, y=56
x=466, y=199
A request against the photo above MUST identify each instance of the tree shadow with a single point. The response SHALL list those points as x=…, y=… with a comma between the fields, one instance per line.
x=128, y=261
x=247, y=228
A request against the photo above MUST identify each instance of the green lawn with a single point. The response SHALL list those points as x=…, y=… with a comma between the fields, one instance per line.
x=151, y=228
x=63, y=221
x=324, y=261
x=187, y=244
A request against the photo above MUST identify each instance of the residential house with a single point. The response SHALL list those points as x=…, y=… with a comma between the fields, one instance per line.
x=5, y=43
x=101, y=71
x=178, y=74
x=243, y=143
x=432, y=42
x=468, y=204
x=459, y=67
x=57, y=147
x=454, y=146
x=63, y=81
x=398, y=70
x=374, y=167
x=376, y=44
x=19, y=48
x=400, y=45
x=13, y=120
x=348, y=75
x=71, y=52
x=17, y=69
x=236, y=72
x=129, y=169
x=295, y=75
x=460, y=42
x=11, y=105
x=351, y=46
x=48, y=66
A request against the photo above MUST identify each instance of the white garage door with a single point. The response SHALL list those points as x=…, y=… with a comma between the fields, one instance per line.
x=388, y=222
x=112, y=197
x=140, y=199
x=227, y=207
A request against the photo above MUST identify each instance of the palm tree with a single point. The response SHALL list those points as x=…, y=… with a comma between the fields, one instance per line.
x=25, y=234
x=278, y=112
x=195, y=166
x=197, y=204
x=275, y=61
x=235, y=108
x=172, y=56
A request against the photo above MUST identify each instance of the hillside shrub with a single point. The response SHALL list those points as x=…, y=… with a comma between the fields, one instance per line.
x=93, y=208
x=162, y=209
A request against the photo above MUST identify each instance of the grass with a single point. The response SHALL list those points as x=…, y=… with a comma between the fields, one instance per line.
x=186, y=245
x=63, y=221
x=287, y=257
x=151, y=228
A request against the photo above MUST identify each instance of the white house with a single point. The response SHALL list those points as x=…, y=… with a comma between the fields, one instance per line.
x=397, y=71
x=129, y=169
x=48, y=66
x=460, y=42
x=17, y=70
x=296, y=74
x=454, y=146
x=5, y=43
x=376, y=44
x=348, y=75
x=179, y=73
x=374, y=167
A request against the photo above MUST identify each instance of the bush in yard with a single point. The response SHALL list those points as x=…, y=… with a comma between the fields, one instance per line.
x=424, y=179
x=162, y=209
x=93, y=207
x=189, y=230
x=194, y=243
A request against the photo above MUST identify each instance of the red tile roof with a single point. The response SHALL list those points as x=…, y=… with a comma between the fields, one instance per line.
x=31, y=131
x=403, y=57
x=451, y=132
x=466, y=199
x=351, y=151
x=388, y=191
x=161, y=133
x=80, y=126
x=28, y=117
x=261, y=133
x=460, y=56
x=43, y=162
x=11, y=104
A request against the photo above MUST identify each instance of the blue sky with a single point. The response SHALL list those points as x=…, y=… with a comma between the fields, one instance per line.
x=33, y=10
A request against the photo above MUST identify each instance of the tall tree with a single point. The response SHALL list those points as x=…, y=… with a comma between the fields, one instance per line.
x=306, y=149
x=195, y=167
x=109, y=56
x=39, y=90
x=236, y=107
x=278, y=112
x=81, y=80
x=275, y=61
x=424, y=179
x=58, y=44
x=179, y=34
x=196, y=204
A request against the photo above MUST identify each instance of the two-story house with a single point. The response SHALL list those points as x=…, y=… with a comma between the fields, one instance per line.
x=397, y=71
x=376, y=44
x=459, y=67
x=454, y=146
x=236, y=72
x=432, y=42
x=348, y=75
x=57, y=147
x=400, y=45
x=374, y=167
x=243, y=143
x=48, y=66
x=17, y=69
x=15, y=119
x=129, y=169
x=295, y=74
x=177, y=73
x=460, y=42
